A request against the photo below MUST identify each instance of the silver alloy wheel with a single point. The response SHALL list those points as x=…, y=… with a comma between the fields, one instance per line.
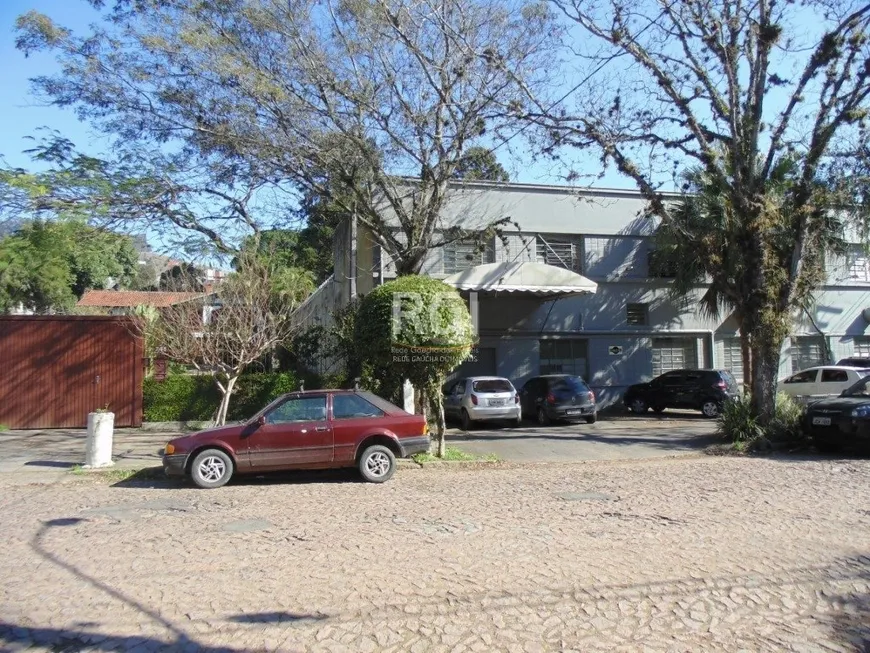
x=212, y=469
x=638, y=406
x=710, y=409
x=378, y=464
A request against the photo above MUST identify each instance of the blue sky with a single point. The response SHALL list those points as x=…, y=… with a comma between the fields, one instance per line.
x=20, y=114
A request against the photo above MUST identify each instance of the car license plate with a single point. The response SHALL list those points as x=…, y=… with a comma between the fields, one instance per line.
x=496, y=402
x=821, y=421
x=573, y=412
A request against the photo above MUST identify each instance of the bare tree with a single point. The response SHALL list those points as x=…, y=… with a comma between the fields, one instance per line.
x=344, y=98
x=222, y=333
x=737, y=89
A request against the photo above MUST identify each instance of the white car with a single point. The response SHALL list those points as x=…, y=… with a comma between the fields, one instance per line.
x=821, y=382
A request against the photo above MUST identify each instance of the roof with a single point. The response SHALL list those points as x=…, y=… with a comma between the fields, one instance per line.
x=537, y=279
x=132, y=298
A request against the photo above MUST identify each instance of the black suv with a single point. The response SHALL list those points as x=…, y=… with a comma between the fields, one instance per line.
x=561, y=397
x=704, y=390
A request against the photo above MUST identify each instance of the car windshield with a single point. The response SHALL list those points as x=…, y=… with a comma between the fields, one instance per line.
x=860, y=389
x=569, y=383
x=492, y=385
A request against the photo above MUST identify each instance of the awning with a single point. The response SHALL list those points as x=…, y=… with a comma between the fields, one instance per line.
x=538, y=279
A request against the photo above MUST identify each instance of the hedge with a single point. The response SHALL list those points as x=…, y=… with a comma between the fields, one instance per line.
x=186, y=398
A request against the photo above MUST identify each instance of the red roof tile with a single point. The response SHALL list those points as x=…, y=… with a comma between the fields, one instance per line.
x=132, y=298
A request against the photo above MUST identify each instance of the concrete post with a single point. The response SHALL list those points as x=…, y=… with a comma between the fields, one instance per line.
x=98, y=450
x=408, y=396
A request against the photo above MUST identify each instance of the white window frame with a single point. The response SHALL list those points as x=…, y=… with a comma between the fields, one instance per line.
x=806, y=352
x=562, y=251
x=464, y=254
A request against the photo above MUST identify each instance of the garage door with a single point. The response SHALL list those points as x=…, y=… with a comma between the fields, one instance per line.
x=484, y=365
x=732, y=357
x=674, y=354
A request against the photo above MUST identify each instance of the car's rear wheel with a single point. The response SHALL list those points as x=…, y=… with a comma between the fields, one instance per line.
x=377, y=464
x=211, y=468
x=639, y=406
x=543, y=418
x=516, y=423
x=710, y=408
x=466, y=420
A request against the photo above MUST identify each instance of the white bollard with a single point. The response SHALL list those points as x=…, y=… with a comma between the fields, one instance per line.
x=408, y=396
x=98, y=450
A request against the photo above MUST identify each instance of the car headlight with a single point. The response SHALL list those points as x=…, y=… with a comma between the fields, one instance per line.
x=861, y=411
x=169, y=449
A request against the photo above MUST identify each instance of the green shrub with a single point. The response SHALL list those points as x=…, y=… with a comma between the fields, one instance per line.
x=180, y=398
x=787, y=422
x=738, y=425
x=186, y=398
x=736, y=422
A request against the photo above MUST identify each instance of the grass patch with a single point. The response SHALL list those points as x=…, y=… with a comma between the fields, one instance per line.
x=3, y=427
x=455, y=455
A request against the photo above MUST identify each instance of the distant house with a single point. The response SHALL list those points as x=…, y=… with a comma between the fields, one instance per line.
x=122, y=302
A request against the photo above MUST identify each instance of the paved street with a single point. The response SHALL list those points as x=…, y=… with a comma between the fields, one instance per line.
x=676, y=554
x=612, y=439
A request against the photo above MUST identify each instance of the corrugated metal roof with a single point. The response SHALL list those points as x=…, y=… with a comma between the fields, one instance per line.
x=131, y=298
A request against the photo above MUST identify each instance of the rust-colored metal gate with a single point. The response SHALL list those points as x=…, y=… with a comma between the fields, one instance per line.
x=54, y=370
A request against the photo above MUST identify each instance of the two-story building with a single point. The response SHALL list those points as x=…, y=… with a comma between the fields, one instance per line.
x=624, y=329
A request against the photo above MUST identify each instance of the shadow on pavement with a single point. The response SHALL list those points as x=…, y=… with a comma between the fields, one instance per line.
x=276, y=618
x=49, y=463
x=62, y=640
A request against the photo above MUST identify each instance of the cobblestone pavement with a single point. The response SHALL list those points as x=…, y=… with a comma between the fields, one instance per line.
x=684, y=554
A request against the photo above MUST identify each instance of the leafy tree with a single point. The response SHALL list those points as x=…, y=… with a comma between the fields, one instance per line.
x=254, y=315
x=480, y=164
x=344, y=100
x=738, y=89
x=47, y=266
x=415, y=328
x=183, y=277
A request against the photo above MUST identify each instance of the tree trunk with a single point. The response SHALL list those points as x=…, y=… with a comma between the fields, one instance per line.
x=225, y=400
x=441, y=424
x=746, y=358
x=765, y=363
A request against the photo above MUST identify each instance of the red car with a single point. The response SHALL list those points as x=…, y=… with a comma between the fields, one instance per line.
x=315, y=429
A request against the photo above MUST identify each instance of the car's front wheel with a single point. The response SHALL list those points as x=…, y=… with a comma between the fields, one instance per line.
x=638, y=406
x=377, y=464
x=211, y=468
x=710, y=408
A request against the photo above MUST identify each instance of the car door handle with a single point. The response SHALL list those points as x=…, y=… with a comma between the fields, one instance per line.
x=321, y=428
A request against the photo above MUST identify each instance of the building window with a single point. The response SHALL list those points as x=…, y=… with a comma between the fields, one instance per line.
x=674, y=354
x=807, y=351
x=859, y=265
x=732, y=357
x=861, y=346
x=464, y=254
x=637, y=314
x=562, y=252
x=660, y=266
x=564, y=357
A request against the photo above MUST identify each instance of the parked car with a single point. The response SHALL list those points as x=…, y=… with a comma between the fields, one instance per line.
x=558, y=397
x=482, y=398
x=855, y=361
x=704, y=390
x=315, y=429
x=820, y=382
x=843, y=420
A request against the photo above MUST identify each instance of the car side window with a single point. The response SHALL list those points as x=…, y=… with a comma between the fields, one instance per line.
x=459, y=388
x=298, y=409
x=672, y=379
x=351, y=406
x=807, y=376
x=834, y=376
